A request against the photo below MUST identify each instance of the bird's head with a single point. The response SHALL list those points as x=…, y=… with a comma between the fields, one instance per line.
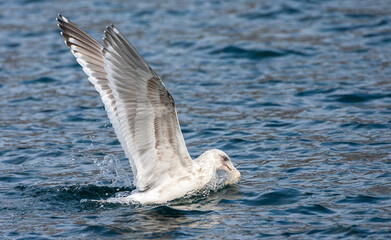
x=223, y=162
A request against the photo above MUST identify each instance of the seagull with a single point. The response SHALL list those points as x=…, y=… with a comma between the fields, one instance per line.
x=143, y=115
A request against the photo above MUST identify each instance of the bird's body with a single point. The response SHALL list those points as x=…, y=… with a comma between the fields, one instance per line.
x=203, y=172
x=144, y=118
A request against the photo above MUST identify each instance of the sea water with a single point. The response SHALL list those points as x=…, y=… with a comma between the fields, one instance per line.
x=297, y=93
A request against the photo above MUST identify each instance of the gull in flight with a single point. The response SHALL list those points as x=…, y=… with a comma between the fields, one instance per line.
x=144, y=118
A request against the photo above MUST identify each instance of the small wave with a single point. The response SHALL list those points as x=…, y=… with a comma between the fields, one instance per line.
x=17, y=160
x=101, y=230
x=182, y=44
x=315, y=209
x=44, y=80
x=362, y=199
x=358, y=125
x=358, y=97
x=380, y=220
x=26, y=99
x=338, y=143
x=78, y=118
x=169, y=211
x=337, y=229
x=278, y=124
x=12, y=45
x=253, y=54
x=264, y=105
x=360, y=15
x=314, y=92
x=278, y=197
x=356, y=27
x=270, y=14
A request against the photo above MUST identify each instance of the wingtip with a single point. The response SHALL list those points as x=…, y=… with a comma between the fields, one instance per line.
x=62, y=18
x=115, y=30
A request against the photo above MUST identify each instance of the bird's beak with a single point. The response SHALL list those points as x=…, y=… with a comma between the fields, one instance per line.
x=234, y=176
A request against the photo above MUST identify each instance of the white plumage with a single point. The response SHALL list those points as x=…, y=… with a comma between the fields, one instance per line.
x=144, y=118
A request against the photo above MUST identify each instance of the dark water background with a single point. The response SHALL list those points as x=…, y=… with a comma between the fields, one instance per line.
x=298, y=93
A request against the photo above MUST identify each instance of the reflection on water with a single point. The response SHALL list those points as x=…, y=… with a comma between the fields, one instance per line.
x=296, y=92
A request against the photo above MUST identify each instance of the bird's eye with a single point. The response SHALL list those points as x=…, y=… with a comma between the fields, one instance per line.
x=225, y=159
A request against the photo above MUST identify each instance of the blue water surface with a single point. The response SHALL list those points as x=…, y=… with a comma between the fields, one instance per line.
x=298, y=93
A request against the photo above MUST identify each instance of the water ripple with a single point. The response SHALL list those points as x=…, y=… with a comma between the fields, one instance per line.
x=253, y=54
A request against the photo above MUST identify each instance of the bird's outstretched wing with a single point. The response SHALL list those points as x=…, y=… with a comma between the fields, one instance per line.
x=138, y=104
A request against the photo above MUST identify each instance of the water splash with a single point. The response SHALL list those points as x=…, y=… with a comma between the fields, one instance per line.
x=111, y=168
x=123, y=197
x=217, y=183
